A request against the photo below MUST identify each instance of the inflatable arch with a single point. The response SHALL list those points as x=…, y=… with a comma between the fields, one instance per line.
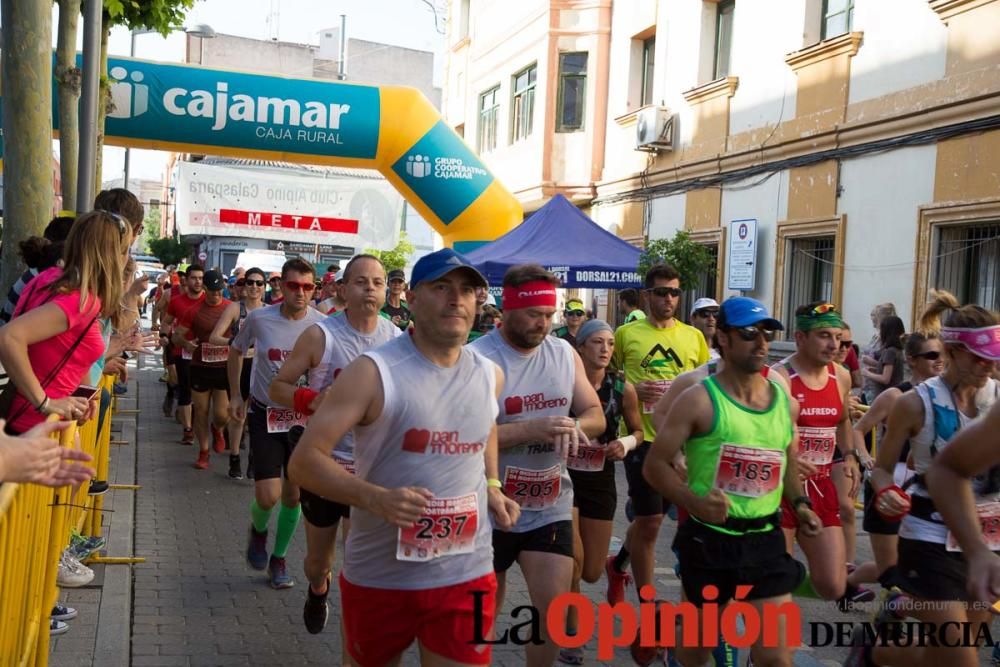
x=393, y=129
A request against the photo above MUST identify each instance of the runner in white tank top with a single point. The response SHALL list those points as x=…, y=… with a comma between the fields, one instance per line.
x=545, y=380
x=322, y=352
x=418, y=563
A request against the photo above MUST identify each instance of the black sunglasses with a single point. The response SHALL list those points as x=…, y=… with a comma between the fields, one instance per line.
x=578, y=313
x=665, y=291
x=707, y=312
x=255, y=283
x=930, y=355
x=750, y=333
x=844, y=344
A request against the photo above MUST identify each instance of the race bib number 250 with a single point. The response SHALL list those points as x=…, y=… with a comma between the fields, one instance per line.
x=281, y=420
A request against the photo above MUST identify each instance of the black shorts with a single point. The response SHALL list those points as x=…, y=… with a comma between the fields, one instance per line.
x=183, y=381
x=594, y=493
x=321, y=512
x=873, y=522
x=708, y=556
x=269, y=451
x=552, y=538
x=209, y=378
x=645, y=500
x=245, y=378
x=929, y=571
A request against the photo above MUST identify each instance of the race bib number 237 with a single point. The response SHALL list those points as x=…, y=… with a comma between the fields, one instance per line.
x=448, y=527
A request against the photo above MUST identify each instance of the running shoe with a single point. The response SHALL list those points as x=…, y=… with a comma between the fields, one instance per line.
x=62, y=613
x=316, y=610
x=617, y=581
x=571, y=656
x=188, y=437
x=71, y=573
x=257, y=549
x=98, y=487
x=234, y=467
x=202, y=462
x=57, y=628
x=854, y=595
x=218, y=440
x=277, y=574
x=995, y=660
x=860, y=654
x=889, y=604
x=83, y=548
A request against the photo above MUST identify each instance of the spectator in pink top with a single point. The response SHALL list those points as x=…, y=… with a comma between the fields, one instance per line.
x=54, y=338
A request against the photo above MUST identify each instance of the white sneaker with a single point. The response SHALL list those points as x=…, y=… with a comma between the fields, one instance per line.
x=57, y=628
x=72, y=573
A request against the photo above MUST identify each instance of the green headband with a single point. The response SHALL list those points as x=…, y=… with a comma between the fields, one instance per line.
x=828, y=320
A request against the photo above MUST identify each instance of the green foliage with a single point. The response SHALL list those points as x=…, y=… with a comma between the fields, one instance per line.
x=151, y=230
x=163, y=16
x=691, y=259
x=396, y=258
x=169, y=251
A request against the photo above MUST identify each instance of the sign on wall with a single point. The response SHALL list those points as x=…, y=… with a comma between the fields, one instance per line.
x=222, y=201
x=742, y=256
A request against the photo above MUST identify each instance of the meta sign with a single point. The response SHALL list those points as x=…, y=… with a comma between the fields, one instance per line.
x=393, y=129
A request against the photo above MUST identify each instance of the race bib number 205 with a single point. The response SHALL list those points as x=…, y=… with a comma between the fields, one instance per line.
x=533, y=489
x=748, y=471
x=448, y=527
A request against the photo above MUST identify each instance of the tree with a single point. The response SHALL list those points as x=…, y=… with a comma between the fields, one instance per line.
x=68, y=76
x=691, y=259
x=398, y=257
x=151, y=230
x=27, y=126
x=169, y=251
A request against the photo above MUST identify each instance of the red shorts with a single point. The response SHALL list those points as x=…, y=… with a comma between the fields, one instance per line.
x=823, y=494
x=381, y=623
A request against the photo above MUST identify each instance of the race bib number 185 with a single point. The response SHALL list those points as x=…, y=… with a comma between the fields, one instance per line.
x=748, y=471
x=448, y=527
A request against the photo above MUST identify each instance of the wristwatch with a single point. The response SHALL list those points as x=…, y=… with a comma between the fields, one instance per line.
x=802, y=500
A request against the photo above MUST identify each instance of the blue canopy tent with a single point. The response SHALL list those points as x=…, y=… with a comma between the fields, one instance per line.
x=566, y=242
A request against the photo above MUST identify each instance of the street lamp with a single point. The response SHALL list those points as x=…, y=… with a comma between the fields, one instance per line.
x=202, y=30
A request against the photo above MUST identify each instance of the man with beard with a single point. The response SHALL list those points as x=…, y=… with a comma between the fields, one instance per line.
x=272, y=331
x=422, y=406
x=182, y=300
x=545, y=380
x=737, y=429
x=322, y=352
x=651, y=352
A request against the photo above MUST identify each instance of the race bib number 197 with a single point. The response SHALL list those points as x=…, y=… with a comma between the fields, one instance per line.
x=662, y=385
x=281, y=420
x=533, y=489
x=448, y=527
x=589, y=458
x=989, y=522
x=213, y=354
x=748, y=471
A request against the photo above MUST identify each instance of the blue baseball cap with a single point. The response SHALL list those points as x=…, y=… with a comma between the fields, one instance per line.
x=742, y=311
x=440, y=263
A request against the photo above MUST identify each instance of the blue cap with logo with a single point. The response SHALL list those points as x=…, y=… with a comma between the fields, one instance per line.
x=440, y=263
x=742, y=311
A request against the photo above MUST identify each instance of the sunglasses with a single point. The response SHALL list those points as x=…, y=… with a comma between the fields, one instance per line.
x=254, y=283
x=751, y=333
x=295, y=287
x=663, y=292
x=930, y=355
x=577, y=313
x=822, y=309
x=240, y=283
x=844, y=344
x=707, y=312
x=274, y=280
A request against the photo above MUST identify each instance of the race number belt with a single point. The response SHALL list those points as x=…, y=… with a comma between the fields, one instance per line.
x=816, y=444
x=533, y=490
x=589, y=458
x=988, y=514
x=281, y=420
x=748, y=471
x=447, y=527
x=213, y=354
x=647, y=408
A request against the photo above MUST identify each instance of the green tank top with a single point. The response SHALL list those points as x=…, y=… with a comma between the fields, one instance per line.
x=743, y=454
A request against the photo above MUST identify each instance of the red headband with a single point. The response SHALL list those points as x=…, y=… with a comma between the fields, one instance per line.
x=529, y=295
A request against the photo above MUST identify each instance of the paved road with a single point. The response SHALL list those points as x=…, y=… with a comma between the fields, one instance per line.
x=197, y=603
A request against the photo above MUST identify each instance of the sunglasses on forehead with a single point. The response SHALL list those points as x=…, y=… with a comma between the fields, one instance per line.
x=822, y=309
x=663, y=292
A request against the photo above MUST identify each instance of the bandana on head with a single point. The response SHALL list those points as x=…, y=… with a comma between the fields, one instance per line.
x=829, y=320
x=529, y=295
x=983, y=342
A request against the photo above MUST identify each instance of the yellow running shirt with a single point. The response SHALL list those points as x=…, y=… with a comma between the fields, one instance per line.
x=646, y=353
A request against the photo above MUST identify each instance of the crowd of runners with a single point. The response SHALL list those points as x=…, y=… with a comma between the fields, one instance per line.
x=450, y=440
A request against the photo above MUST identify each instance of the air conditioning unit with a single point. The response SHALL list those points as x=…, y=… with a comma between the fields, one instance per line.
x=654, y=130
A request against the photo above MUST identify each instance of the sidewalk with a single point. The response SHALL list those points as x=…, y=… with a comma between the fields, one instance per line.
x=195, y=601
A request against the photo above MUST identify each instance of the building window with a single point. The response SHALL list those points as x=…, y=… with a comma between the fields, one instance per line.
x=809, y=272
x=724, y=12
x=967, y=263
x=522, y=108
x=489, y=113
x=572, y=91
x=646, y=93
x=837, y=17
